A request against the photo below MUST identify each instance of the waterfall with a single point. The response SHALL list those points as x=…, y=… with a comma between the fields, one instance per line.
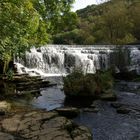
x=61, y=59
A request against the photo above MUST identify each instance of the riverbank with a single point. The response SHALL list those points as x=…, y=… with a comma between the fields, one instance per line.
x=40, y=125
x=21, y=122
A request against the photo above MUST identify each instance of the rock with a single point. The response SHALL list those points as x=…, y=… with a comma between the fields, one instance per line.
x=94, y=110
x=123, y=110
x=5, y=136
x=69, y=112
x=109, y=96
x=42, y=125
x=81, y=133
x=33, y=85
x=116, y=105
x=93, y=105
x=4, y=107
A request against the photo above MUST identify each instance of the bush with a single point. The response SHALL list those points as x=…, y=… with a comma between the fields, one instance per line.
x=79, y=84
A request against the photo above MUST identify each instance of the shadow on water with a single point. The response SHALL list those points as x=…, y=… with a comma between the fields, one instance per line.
x=47, y=98
x=78, y=101
x=9, y=92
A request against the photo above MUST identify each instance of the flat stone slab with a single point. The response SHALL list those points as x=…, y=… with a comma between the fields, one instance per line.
x=42, y=125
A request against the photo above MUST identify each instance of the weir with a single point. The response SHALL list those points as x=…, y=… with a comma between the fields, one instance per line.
x=62, y=59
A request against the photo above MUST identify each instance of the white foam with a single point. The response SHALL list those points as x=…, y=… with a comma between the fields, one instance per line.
x=58, y=60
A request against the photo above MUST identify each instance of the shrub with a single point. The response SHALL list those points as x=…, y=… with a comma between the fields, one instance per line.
x=79, y=84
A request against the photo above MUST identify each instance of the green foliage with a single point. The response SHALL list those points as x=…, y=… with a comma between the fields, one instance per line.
x=57, y=14
x=19, y=22
x=27, y=23
x=104, y=81
x=116, y=25
x=72, y=37
x=79, y=84
x=134, y=11
x=113, y=22
x=10, y=74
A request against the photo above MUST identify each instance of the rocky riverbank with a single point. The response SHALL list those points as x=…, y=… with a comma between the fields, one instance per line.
x=102, y=117
x=24, y=123
x=30, y=124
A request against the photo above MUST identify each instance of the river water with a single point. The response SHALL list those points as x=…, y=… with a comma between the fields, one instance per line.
x=107, y=124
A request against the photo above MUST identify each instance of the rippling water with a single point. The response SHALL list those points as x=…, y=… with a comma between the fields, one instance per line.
x=109, y=125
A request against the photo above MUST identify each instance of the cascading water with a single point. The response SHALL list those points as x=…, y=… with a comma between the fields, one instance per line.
x=61, y=59
x=53, y=59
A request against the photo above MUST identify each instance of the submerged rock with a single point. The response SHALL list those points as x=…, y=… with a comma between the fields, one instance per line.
x=116, y=105
x=93, y=110
x=123, y=110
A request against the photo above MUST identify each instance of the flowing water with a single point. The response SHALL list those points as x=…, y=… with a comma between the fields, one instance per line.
x=56, y=60
x=53, y=60
x=107, y=124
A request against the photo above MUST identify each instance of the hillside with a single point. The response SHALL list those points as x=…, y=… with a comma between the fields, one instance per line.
x=113, y=22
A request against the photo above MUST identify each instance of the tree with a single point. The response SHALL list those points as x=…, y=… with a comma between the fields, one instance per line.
x=116, y=25
x=26, y=23
x=20, y=26
x=57, y=14
x=134, y=12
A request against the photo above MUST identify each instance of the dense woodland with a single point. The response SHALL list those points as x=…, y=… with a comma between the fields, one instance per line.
x=27, y=23
x=112, y=22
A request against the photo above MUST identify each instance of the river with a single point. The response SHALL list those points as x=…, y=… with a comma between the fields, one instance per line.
x=106, y=124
